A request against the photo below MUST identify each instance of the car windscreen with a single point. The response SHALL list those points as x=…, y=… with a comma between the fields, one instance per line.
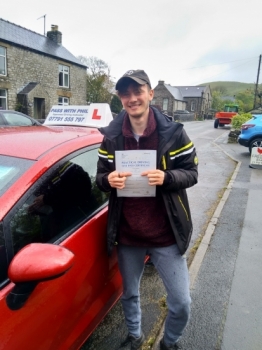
x=11, y=169
x=17, y=119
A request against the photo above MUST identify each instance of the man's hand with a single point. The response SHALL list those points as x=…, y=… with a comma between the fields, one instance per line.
x=117, y=179
x=155, y=177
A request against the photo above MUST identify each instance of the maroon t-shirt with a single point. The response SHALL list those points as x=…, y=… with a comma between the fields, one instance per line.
x=144, y=220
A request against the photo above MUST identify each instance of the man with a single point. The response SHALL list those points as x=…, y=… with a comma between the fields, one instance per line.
x=157, y=226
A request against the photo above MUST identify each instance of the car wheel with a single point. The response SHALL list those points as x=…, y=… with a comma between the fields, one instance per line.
x=255, y=143
x=216, y=122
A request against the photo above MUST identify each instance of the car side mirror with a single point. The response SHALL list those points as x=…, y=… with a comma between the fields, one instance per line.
x=36, y=262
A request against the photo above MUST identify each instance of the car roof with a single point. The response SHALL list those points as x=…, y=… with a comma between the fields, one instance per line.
x=34, y=141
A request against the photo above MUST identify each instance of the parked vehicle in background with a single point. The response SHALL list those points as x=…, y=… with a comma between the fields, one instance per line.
x=210, y=114
x=224, y=117
x=251, y=133
x=183, y=115
x=14, y=118
x=57, y=281
x=181, y=111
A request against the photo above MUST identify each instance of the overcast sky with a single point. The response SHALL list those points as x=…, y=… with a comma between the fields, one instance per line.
x=186, y=42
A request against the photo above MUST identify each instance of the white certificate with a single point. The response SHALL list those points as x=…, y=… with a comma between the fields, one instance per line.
x=136, y=162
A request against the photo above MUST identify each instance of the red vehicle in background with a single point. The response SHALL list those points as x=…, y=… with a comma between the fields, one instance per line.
x=225, y=117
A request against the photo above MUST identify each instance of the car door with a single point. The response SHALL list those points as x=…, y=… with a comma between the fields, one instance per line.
x=64, y=208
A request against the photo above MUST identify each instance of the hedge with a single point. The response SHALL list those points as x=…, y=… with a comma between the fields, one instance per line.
x=240, y=119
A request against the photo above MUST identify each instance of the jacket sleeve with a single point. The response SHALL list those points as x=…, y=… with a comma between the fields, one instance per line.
x=103, y=168
x=181, y=171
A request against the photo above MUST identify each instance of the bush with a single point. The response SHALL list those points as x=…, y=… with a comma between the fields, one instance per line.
x=240, y=119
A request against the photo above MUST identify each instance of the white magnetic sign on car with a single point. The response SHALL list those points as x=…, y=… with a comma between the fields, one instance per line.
x=96, y=115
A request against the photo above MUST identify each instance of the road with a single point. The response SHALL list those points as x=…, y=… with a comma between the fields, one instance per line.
x=215, y=170
x=226, y=310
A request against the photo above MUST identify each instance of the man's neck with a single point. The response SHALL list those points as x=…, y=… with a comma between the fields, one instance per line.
x=139, y=125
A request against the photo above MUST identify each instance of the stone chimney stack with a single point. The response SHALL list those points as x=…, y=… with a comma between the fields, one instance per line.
x=55, y=35
x=161, y=82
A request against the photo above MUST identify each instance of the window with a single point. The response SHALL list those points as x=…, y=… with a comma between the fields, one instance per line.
x=193, y=106
x=11, y=169
x=60, y=203
x=3, y=99
x=63, y=76
x=63, y=101
x=2, y=60
x=3, y=257
x=165, y=104
x=13, y=118
x=153, y=102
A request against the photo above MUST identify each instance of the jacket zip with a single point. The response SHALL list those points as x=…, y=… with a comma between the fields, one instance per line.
x=180, y=200
x=164, y=162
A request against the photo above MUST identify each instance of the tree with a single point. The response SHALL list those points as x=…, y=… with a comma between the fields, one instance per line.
x=245, y=99
x=116, y=105
x=99, y=83
x=217, y=101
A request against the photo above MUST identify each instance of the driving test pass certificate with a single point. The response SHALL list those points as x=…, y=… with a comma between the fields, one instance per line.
x=136, y=162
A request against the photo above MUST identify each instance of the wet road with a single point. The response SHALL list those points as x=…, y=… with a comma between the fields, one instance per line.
x=215, y=170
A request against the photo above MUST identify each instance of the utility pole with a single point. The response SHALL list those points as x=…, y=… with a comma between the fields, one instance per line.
x=258, y=71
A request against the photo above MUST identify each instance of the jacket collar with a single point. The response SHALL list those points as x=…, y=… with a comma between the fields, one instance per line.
x=165, y=127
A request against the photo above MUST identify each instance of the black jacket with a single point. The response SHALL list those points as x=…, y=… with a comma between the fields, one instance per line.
x=176, y=156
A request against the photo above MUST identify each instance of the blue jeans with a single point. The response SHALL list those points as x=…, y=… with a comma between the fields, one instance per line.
x=172, y=268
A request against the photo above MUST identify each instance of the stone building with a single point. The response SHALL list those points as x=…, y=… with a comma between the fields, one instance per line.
x=195, y=99
x=37, y=72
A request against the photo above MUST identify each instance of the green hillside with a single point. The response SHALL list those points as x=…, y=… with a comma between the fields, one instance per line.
x=231, y=88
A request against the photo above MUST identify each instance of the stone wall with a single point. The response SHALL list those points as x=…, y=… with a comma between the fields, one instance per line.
x=25, y=66
x=160, y=92
x=202, y=102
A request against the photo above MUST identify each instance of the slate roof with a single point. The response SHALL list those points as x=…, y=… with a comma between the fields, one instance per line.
x=174, y=90
x=191, y=91
x=29, y=87
x=19, y=36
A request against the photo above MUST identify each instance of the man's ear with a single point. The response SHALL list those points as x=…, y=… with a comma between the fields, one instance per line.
x=151, y=95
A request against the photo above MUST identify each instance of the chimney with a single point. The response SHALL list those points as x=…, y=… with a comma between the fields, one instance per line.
x=55, y=35
x=161, y=82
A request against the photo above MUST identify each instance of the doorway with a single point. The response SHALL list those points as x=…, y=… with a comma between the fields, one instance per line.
x=39, y=108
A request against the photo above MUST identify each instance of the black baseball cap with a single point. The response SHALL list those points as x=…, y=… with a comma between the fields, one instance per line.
x=137, y=75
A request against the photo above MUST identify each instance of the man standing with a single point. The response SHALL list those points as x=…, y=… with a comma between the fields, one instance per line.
x=157, y=226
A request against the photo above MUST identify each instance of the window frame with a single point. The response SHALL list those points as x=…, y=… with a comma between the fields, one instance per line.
x=165, y=104
x=7, y=220
x=193, y=106
x=4, y=98
x=63, y=101
x=62, y=71
x=5, y=66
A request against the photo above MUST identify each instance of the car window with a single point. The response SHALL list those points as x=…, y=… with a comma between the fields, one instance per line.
x=17, y=119
x=3, y=257
x=2, y=121
x=11, y=169
x=60, y=204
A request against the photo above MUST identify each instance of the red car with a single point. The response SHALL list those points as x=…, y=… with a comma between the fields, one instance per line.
x=56, y=280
